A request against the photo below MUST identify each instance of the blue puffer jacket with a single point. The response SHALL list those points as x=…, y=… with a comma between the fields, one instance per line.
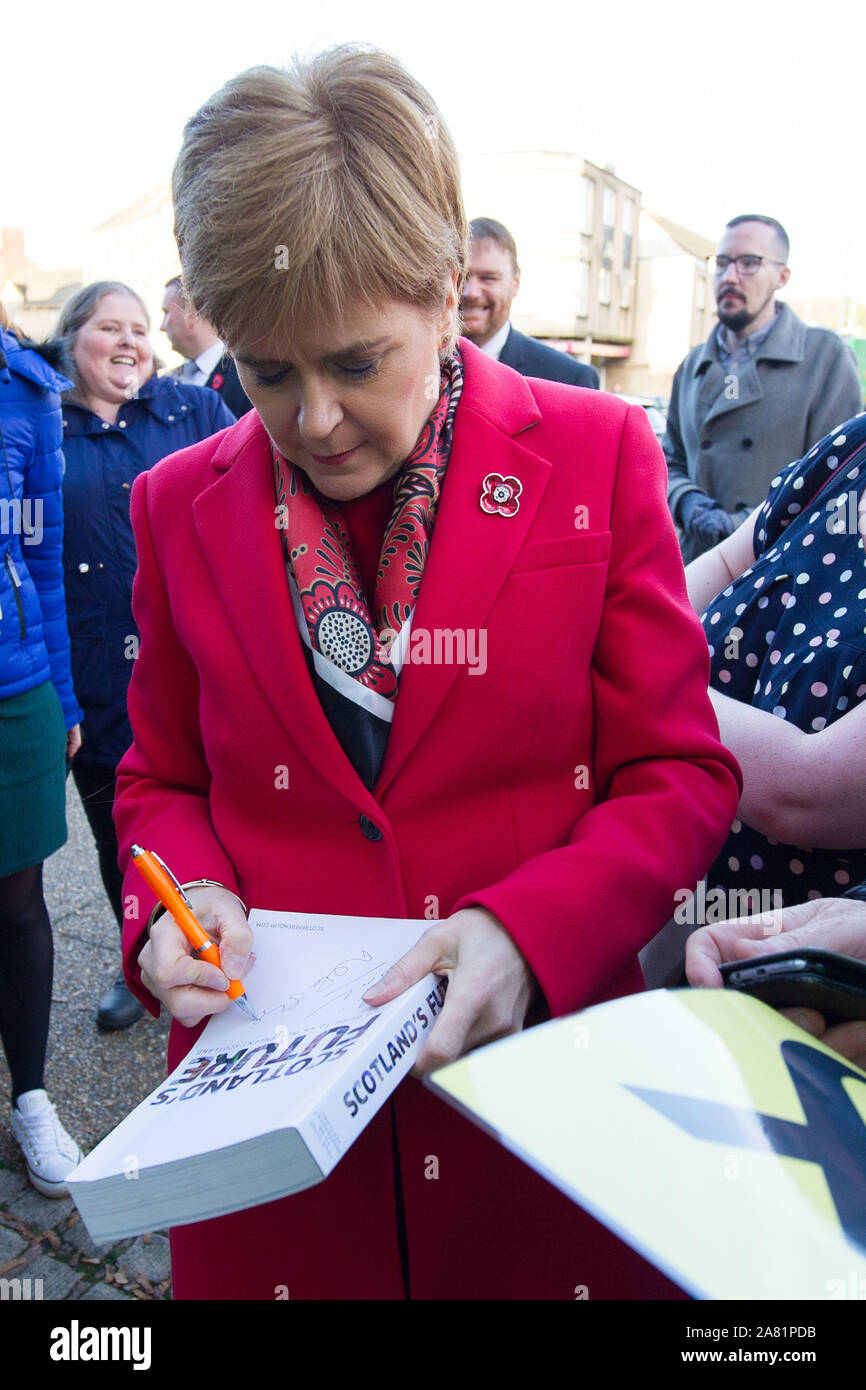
x=102, y=463
x=34, y=645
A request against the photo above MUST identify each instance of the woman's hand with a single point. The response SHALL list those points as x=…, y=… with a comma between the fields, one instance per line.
x=830, y=924
x=73, y=741
x=490, y=985
x=190, y=988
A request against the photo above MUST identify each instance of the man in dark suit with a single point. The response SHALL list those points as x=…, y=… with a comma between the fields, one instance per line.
x=492, y=283
x=207, y=362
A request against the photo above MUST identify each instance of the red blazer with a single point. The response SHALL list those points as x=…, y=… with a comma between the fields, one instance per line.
x=571, y=788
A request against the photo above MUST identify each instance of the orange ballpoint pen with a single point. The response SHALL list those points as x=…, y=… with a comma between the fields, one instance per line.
x=158, y=876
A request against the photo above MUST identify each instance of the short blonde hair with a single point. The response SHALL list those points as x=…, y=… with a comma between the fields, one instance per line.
x=299, y=192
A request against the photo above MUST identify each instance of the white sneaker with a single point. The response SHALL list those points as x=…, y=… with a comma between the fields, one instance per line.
x=50, y=1152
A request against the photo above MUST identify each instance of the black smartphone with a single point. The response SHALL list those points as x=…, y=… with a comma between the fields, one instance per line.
x=833, y=984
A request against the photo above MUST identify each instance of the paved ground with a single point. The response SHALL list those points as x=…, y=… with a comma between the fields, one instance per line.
x=94, y=1079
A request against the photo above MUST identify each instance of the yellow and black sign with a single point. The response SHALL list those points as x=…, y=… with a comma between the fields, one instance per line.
x=721, y=1141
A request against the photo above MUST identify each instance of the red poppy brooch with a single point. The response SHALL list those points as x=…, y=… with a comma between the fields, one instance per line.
x=501, y=495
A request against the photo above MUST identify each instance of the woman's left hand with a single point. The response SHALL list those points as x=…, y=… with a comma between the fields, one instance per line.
x=490, y=985
x=73, y=741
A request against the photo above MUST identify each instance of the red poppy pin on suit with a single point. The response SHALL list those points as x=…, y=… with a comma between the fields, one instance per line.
x=217, y=381
x=501, y=495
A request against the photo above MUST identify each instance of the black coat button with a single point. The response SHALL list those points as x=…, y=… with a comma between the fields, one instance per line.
x=747, y=444
x=706, y=444
x=369, y=829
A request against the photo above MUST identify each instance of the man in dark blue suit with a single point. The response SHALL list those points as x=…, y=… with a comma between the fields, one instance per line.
x=492, y=283
x=207, y=362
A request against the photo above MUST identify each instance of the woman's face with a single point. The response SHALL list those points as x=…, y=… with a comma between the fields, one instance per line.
x=346, y=403
x=112, y=350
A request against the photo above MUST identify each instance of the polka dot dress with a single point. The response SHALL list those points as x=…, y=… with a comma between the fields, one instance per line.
x=789, y=637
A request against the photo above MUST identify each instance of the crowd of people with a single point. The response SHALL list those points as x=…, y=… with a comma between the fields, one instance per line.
x=169, y=645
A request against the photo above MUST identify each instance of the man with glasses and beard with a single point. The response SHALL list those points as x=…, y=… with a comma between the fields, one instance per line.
x=758, y=393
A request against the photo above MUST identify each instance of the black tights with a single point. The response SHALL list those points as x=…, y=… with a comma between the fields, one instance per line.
x=26, y=944
x=26, y=973
x=96, y=788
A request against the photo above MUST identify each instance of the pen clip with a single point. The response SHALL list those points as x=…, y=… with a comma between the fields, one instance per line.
x=162, y=864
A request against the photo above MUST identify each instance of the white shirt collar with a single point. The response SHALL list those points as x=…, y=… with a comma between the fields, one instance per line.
x=495, y=345
x=207, y=360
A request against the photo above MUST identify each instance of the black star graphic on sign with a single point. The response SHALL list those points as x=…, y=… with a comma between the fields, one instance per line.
x=833, y=1135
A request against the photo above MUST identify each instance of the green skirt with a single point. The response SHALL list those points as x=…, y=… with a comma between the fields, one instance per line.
x=32, y=778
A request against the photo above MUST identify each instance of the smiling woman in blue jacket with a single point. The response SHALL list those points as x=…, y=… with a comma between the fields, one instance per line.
x=39, y=719
x=119, y=420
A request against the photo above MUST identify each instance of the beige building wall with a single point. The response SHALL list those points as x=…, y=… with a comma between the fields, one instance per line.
x=31, y=296
x=36, y=322
x=675, y=307
x=570, y=221
x=137, y=247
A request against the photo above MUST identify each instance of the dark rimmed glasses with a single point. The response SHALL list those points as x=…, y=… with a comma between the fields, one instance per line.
x=746, y=265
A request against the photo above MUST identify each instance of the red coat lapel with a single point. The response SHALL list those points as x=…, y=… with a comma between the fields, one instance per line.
x=247, y=564
x=471, y=551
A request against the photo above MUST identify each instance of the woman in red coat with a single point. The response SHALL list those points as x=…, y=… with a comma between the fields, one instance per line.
x=414, y=643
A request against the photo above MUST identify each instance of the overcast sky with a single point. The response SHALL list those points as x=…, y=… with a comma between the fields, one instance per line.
x=710, y=111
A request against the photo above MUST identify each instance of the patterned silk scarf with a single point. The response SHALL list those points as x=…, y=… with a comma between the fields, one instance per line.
x=356, y=656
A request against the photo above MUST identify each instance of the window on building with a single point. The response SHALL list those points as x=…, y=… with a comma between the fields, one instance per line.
x=625, y=283
x=604, y=280
x=582, y=306
x=608, y=212
x=588, y=205
x=608, y=223
x=627, y=232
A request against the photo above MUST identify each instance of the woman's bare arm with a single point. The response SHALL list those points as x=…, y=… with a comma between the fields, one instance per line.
x=805, y=789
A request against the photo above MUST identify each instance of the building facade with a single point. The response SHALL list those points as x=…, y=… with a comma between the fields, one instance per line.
x=575, y=225
x=675, y=308
x=31, y=296
x=137, y=247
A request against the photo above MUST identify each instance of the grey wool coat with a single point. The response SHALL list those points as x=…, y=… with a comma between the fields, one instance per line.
x=729, y=431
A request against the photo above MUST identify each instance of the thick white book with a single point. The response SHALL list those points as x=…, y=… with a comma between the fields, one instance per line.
x=259, y=1110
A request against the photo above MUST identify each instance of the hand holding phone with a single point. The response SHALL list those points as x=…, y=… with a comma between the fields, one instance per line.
x=828, y=924
x=805, y=928
x=832, y=984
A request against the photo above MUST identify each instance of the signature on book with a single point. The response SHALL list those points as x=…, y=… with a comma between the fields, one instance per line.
x=345, y=982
